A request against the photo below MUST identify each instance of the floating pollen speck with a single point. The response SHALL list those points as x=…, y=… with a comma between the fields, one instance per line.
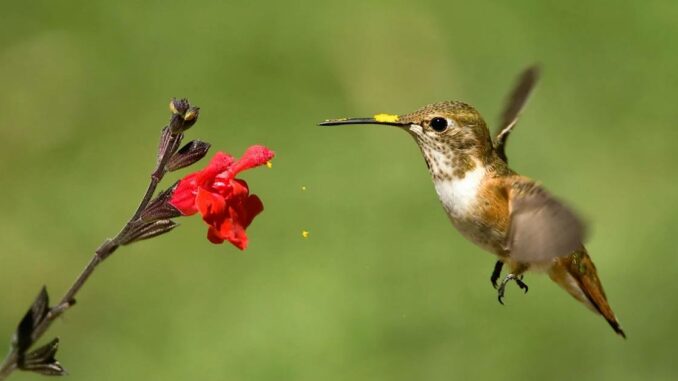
x=269, y=164
x=305, y=233
x=303, y=188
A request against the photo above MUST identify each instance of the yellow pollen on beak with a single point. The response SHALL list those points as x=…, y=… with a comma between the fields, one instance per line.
x=386, y=118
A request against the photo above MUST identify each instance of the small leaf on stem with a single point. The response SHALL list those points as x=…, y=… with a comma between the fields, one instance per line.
x=23, y=338
x=43, y=361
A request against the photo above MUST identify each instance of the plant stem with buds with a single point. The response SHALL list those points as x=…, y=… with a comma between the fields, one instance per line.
x=108, y=247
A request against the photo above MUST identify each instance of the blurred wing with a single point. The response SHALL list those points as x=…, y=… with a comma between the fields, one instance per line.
x=541, y=227
x=514, y=104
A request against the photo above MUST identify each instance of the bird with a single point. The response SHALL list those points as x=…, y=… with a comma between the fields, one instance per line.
x=512, y=216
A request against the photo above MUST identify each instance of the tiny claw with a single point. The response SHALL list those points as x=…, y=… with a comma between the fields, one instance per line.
x=500, y=292
x=502, y=286
x=522, y=285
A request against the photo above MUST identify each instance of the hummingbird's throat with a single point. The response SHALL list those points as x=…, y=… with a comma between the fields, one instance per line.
x=448, y=155
x=445, y=164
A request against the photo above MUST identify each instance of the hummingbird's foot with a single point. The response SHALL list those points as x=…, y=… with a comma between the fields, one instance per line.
x=502, y=286
x=496, y=273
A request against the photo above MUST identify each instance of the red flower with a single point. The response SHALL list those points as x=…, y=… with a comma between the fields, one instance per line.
x=224, y=202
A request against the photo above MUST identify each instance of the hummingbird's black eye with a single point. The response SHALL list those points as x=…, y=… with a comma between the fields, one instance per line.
x=439, y=124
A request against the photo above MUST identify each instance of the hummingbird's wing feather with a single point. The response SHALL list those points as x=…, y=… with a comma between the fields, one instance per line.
x=514, y=104
x=541, y=227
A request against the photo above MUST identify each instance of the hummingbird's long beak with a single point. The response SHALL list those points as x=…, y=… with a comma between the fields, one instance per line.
x=384, y=119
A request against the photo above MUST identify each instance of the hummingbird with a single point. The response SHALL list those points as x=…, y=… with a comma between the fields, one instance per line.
x=511, y=216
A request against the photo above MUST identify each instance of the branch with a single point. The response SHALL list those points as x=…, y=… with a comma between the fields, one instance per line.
x=40, y=316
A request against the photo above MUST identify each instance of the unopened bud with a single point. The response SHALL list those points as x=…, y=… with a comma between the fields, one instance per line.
x=192, y=114
x=179, y=106
x=183, y=115
x=189, y=154
x=176, y=124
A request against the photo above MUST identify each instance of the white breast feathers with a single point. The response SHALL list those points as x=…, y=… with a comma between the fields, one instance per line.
x=460, y=195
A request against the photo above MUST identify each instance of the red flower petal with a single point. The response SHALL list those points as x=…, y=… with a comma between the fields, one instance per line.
x=223, y=220
x=219, y=163
x=213, y=209
x=239, y=188
x=253, y=157
x=234, y=233
x=212, y=206
x=183, y=197
x=214, y=236
x=253, y=206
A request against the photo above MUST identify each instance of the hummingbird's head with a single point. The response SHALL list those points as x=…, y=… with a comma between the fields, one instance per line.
x=452, y=136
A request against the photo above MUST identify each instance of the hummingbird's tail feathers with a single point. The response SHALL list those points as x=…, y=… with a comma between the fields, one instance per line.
x=577, y=274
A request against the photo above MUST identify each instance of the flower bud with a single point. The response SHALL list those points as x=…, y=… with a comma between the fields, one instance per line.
x=179, y=106
x=183, y=115
x=192, y=114
x=189, y=154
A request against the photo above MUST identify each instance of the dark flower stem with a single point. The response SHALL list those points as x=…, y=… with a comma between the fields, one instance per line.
x=108, y=247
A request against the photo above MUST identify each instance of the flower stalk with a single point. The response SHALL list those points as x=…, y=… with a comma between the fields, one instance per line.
x=40, y=316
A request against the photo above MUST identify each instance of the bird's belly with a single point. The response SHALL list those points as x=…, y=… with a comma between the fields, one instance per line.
x=465, y=203
x=480, y=233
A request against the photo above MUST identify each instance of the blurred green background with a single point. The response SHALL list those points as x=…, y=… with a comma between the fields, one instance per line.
x=384, y=288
